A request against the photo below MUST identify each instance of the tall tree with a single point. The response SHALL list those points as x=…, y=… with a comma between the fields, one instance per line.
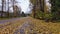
x=13, y=3
x=5, y=4
x=34, y=2
x=8, y=9
x=39, y=8
x=2, y=8
x=55, y=8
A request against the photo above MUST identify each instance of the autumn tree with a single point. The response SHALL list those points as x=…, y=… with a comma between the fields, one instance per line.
x=38, y=8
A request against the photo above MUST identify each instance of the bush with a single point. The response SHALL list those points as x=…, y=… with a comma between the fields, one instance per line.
x=48, y=17
x=40, y=15
x=51, y=16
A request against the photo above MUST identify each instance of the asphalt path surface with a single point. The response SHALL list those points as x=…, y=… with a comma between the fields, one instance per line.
x=23, y=28
x=10, y=20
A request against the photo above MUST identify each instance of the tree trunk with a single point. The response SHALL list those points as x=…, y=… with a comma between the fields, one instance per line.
x=8, y=9
x=2, y=8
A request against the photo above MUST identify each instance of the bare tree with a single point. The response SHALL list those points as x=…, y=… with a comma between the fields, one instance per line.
x=2, y=8
x=8, y=9
x=15, y=7
x=5, y=5
x=13, y=2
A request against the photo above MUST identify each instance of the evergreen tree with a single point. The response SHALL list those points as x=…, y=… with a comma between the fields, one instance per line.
x=55, y=8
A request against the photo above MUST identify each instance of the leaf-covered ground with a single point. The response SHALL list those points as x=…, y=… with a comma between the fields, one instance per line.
x=33, y=26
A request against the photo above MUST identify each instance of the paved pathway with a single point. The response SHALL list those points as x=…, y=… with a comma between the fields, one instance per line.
x=22, y=28
x=10, y=20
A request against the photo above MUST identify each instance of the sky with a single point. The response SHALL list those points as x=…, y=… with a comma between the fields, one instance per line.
x=24, y=5
x=48, y=5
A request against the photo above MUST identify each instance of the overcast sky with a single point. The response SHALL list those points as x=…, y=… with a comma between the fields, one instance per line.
x=24, y=4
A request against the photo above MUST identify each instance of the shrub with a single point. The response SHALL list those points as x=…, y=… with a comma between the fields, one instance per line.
x=40, y=15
